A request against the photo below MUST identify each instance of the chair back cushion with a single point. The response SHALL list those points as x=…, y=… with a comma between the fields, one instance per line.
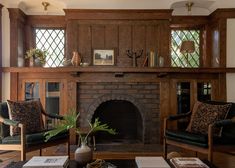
x=28, y=113
x=205, y=114
x=4, y=129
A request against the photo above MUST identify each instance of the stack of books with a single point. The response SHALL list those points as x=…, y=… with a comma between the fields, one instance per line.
x=188, y=162
x=47, y=162
x=151, y=162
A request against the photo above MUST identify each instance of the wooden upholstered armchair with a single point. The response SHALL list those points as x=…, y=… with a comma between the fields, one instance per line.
x=207, y=142
x=23, y=141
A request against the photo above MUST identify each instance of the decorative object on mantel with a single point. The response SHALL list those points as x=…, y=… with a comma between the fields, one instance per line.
x=134, y=56
x=84, y=64
x=76, y=59
x=153, y=59
x=103, y=57
x=83, y=154
x=67, y=62
x=36, y=57
x=161, y=61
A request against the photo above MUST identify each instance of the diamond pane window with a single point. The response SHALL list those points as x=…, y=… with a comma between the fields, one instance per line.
x=52, y=40
x=179, y=59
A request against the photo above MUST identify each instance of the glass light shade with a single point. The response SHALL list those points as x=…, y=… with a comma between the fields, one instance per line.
x=187, y=47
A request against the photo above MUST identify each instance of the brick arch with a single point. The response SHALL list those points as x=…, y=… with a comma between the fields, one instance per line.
x=95, y=104
x=108, y=97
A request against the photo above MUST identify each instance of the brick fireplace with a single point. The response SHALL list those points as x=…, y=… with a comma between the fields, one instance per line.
x=131, y=108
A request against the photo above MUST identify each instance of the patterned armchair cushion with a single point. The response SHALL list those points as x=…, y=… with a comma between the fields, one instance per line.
x=28, y=113
x=205, y=114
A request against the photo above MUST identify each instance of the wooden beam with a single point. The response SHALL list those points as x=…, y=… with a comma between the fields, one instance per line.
x=118, y=14
x=1, y=52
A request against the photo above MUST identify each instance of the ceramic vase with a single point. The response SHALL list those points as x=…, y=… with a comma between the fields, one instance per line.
x=83, y=154
x=76, y=59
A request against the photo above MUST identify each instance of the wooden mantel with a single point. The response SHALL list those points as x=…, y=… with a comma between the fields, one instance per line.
x=95, y=69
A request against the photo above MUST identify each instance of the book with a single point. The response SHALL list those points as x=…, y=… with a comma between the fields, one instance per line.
x=188, y=162
x=151, y=162
x=47, y=162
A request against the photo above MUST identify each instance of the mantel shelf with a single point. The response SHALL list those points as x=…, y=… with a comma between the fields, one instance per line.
x=100, y=69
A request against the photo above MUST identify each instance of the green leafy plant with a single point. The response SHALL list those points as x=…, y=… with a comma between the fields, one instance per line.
x=37, y=53
x=70, y=121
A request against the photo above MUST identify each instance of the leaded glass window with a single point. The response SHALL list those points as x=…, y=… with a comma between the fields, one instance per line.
x=52, y=40
x=179, y=59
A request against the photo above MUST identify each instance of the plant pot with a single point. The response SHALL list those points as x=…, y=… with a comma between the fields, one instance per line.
x=83, y=154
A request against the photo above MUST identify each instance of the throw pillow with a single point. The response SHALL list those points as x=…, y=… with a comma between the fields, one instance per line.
x=205, y=114
x=28, y=113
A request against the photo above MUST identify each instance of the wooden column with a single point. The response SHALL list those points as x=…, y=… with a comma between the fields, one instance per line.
x=17, y=49
x=1, y=52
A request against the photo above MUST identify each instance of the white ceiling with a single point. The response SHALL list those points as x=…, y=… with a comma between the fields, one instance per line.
x=200, y=7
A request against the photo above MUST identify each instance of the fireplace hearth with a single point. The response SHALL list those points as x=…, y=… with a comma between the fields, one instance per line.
x=131, y=108
x=124, y=117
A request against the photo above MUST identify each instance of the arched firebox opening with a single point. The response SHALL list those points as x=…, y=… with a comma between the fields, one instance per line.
x=123, y=116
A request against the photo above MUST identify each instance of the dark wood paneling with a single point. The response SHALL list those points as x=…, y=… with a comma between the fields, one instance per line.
x=124, y=44
x=71, y=38
x=165, y=43
x=129, y=14
x=188, y=21
x=84, y=42
x=98, y=36
x=46, y=21
x=152, y=34
x=17, y=48
x=111, y=36
x=1, y=6
x=139, y=42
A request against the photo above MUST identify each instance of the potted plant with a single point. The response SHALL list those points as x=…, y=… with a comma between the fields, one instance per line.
x=36, y=57
x=83, y=154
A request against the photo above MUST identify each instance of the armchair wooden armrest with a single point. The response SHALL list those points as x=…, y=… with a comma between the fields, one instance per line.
x=9, y=122
x=52, y=116
x=226, y=122
x=21, y=146
x=179, y=116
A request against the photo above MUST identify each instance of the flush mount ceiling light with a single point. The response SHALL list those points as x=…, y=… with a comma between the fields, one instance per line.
x=45, y=5
x=189, y=5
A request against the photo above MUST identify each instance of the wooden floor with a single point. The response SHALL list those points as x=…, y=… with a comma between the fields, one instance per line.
x=220, y=160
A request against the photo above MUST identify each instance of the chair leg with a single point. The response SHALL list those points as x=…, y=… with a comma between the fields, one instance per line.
x=40, y=152
x=68, y=146
x=164, y=148
x=23, y=155
x=94, y=143
x=210, y=155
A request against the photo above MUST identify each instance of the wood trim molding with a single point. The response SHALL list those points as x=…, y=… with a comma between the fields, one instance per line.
x=222, y=13
x=17, y=22
x=188, y=21
x=17, y=46
x=46, y=21
x=118, y=14
x=1, y=6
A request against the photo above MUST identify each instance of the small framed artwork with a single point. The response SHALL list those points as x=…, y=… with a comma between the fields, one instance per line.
x=103, y=57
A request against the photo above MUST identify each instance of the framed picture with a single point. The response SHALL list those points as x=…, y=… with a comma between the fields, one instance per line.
x=103, y=57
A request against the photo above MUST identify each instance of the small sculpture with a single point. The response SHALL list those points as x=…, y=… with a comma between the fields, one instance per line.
x=134, y=56
x=76, y=59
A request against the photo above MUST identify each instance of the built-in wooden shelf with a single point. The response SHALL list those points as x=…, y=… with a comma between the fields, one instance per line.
x=101, y=69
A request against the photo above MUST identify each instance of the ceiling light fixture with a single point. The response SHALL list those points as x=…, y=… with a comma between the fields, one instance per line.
x=45, y=5
x=189, y=5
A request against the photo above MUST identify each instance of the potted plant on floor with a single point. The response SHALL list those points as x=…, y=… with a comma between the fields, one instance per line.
x=83, y=154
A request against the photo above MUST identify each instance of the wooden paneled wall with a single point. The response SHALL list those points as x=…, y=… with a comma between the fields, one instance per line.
x=120, y=36
x=1, y=52
x=120, y=30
